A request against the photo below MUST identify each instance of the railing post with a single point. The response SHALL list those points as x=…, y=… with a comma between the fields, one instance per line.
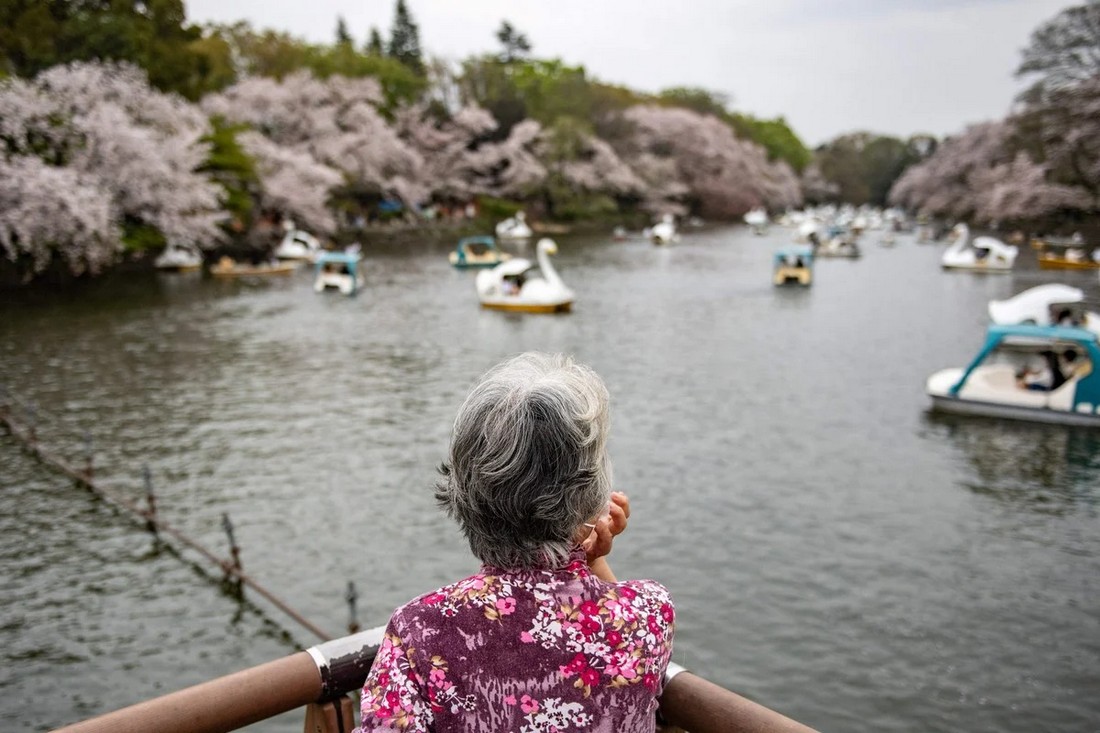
x=151, y=513
x=89, y=457
x=351, y=596
x=234, y=551
x=335, y=716
x=32, y=432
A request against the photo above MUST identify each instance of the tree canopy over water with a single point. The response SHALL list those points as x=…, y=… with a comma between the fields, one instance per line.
x=349, y=131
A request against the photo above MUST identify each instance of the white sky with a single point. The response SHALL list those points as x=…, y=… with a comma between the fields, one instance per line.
x=829, y=66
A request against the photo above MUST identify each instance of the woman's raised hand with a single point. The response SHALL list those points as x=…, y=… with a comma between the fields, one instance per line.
x=608, y=526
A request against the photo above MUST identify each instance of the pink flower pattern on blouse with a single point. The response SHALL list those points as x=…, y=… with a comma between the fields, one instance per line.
x=532, y=651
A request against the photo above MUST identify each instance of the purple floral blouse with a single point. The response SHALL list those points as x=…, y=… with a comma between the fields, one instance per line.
x=534, y=651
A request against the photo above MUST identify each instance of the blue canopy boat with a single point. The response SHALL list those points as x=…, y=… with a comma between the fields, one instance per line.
x=479, y=251
x=338, y=270
x=794, y=265
x=998, y=383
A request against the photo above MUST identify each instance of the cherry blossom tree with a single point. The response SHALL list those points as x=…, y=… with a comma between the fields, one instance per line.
x=597, y=168
x=976, y=175
x=447, y=149
x=110, y=130
x=335, y=121
x=293, y=182
x=510, y=167
x=1019, y=190
x=943, y=185
x=816, y=188
x=1063, y=131
x=724, y=175
x=49, y=212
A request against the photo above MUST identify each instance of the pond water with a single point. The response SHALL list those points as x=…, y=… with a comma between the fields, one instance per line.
x=835, y=552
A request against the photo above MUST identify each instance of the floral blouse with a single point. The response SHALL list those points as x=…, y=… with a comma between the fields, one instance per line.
x=531, y=651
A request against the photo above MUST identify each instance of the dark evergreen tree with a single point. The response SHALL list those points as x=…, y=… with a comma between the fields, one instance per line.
x=405, y=39
x=516, y=45
x=343, y=38
x=374, y=43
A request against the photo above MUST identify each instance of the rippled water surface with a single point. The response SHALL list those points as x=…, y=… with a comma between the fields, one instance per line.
x=835, y=552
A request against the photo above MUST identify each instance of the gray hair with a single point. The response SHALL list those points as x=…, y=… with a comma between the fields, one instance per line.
x=528, y=460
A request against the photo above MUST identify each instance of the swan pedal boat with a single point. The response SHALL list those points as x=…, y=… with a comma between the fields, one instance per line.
x=339, y=271
x=757, y=219
x=987, y=254
x=1045, y=305
x=228, y=267
x=179, y=258
x=298, y=245
x=794, y=266
x=664, y=231
x=514, y=228
x=480, y=251
x=991, y=389
x=509, y=287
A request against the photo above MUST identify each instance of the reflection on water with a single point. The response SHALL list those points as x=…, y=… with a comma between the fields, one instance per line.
x=1047, y=468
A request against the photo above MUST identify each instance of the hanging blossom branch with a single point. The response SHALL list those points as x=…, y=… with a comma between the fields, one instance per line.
x=335, y=121
x=47, y=212
x=112, y=131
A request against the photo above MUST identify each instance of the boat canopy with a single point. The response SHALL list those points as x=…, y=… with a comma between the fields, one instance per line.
x=477, y=246
x=337, y=258
x=483, y=239
x=788, y=254
x=1088, y=390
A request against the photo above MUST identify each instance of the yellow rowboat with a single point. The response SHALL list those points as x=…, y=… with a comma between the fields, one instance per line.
x=1048, y=261
x=228, y=267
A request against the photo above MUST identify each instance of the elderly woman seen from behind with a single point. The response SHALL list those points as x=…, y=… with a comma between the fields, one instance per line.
x=543, y=638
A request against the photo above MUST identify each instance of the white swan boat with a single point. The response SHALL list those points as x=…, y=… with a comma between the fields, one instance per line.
x=514, y=227
x=664, y=231
x=513, y=286
x=1046, y=305
x=986, y=254
x=757, y=219
x=179, y=257
x=993, y=384
x=298, y=245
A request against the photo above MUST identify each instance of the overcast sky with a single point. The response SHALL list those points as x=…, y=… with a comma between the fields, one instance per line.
x=829, y=66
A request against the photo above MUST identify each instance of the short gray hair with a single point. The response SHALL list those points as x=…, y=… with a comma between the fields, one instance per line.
x=528, y=460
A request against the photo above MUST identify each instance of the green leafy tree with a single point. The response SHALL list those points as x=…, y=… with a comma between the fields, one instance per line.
x=864, y=166
x=488, y=83
x=264, y=53
x=516, y=46
x=153, y=34
x=405, y=39
x=234, y=169
x=776, y=137
x=697, y=99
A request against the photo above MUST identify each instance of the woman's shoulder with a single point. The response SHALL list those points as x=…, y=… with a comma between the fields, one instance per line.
x=445, y=599
x=646, y=596
x=648, y=589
